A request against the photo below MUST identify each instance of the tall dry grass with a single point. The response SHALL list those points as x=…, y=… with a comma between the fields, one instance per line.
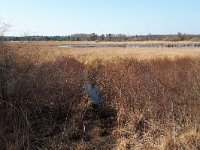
x=49, y=51
x=156, y=101
x=37, y=99
x=147, y=103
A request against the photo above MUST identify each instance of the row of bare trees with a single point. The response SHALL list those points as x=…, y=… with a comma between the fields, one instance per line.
x=108, y=37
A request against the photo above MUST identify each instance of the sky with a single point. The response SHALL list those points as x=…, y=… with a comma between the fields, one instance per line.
x=131, y=17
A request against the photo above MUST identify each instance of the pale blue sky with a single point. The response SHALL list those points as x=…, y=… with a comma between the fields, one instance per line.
x=64, y=17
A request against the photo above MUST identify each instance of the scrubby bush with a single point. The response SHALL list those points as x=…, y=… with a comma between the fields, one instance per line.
x=37, y=99
x=153, y=98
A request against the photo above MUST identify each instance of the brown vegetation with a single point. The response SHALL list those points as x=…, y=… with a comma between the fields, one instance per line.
x=147, y=104
x=49, y=51
x=156, y=101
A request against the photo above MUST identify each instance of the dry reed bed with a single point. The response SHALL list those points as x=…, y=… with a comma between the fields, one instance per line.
x=157, y=102
x=48, y=51
x=88, y=55
x=36, y=99
x=123, y=44
x=148, y=103
x=147, y=43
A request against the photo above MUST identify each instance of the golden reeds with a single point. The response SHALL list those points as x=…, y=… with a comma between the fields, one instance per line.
x=151, y=97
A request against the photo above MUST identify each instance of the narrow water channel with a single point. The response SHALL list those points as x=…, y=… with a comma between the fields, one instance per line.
x=128, y=46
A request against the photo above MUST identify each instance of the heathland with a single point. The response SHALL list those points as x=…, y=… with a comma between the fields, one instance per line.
x=150, y=92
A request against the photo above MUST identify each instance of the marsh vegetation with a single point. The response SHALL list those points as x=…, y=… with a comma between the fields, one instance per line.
x=151, y=97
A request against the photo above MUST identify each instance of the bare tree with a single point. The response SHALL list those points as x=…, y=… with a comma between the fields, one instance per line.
x=4, y=61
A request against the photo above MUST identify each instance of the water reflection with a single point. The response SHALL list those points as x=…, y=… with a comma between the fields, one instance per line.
x=128, y=46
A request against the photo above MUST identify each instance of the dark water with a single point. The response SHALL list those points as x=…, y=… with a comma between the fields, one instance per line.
x=126, y=46
x=94, y=94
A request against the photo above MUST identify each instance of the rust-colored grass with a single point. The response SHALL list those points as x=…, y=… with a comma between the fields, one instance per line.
x=151, y=98
x=155, y=99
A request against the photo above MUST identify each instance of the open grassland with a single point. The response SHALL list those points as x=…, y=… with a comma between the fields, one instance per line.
x=50, y=51
x=151, y=97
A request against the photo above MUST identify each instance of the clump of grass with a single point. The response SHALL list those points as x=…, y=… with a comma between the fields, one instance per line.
x=37, y=99
x=164, y=92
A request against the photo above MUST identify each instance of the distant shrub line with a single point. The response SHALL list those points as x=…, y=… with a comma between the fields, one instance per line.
x=107, y=37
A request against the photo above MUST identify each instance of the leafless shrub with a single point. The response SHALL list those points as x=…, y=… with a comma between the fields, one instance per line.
x=36, y=99
x=162, y=94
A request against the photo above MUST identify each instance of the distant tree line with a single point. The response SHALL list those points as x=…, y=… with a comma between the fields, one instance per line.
x=107, y=37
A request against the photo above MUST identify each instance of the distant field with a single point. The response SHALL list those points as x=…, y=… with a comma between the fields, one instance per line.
x=50, y=50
